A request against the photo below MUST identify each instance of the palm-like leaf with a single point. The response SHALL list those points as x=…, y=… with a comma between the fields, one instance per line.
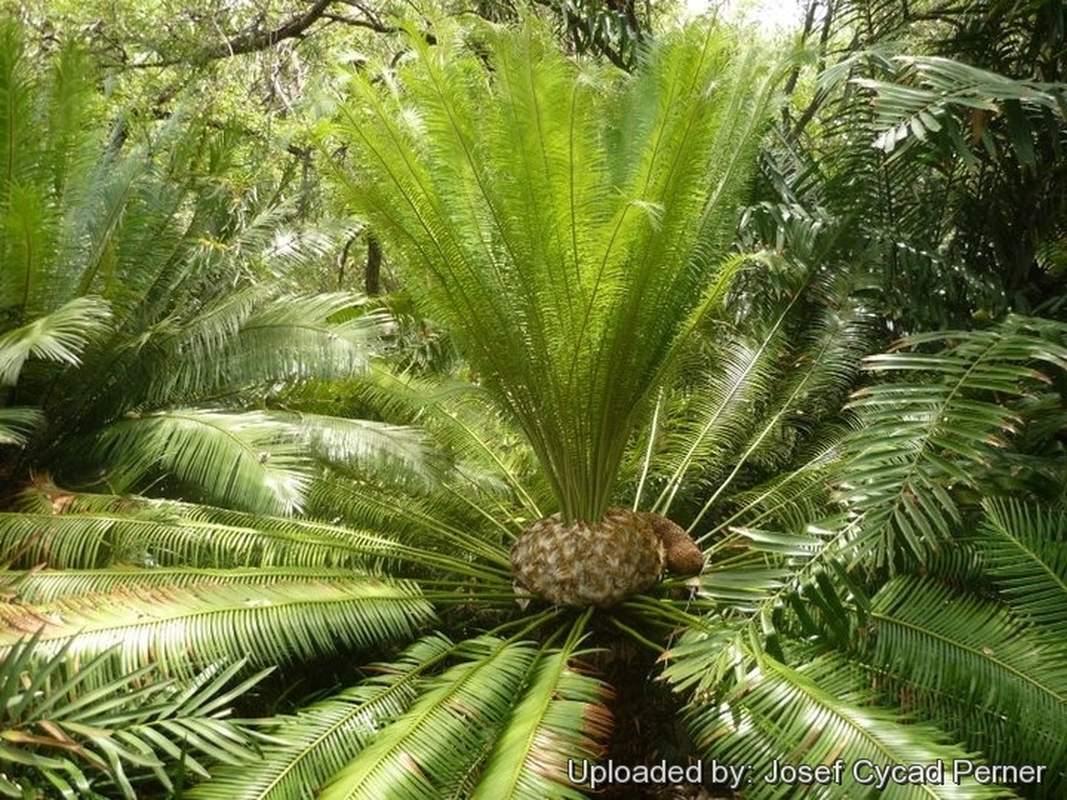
x=501, y=723
x=781, y=716
x=325, y=736
x=559, y=720
x=922, y=438
x=964, y=662
x=59, y=336
x=568, y=229
x=179, y=628
x=1024, y=552
x=929, y=88
x=65, y=721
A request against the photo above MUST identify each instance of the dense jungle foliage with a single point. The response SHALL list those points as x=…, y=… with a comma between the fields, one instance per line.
x=311, y=309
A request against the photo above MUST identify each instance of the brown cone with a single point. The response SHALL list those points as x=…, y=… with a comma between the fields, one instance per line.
x=588, y=564
x=684, y=556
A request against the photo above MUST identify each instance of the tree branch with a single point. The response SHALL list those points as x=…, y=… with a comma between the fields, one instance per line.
x=251, y=41
x=256, y=39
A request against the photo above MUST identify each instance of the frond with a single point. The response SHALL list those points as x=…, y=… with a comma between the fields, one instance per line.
x=18, y=424
x=974, y=669
x=716, y=417
x=560, y=720
x=248, y=460
x=110, y=531
x=370, y=444
x=323, y=737
x=779, y=716
x=432, y=749
x=928, y=90
x=60, y=336
x=42, y=586
x=438, y=531
x=503, y=719
x=567, y=230
x=789, y=501
x=255, y=338
x=181, y=629
x=1024, y=550
x=922, y=437
x=62, y=721
x=490, y=458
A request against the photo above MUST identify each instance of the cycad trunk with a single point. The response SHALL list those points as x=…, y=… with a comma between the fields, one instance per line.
x=603, y=563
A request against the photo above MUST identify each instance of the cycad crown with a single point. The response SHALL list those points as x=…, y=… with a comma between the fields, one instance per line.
x=568, y=223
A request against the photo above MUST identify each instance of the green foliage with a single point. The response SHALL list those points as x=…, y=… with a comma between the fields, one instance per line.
x=926, y=439
x=816, y=652
x=179, y=628
x=570, y=231
x=63, y=717
x=886, y=579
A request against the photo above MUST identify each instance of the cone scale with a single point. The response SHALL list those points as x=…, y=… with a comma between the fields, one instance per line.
x=600, y=564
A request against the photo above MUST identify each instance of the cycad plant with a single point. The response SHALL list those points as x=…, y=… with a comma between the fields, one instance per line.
x=571, y=228
x=934, y=595
x=864, y=600
x=146, y=350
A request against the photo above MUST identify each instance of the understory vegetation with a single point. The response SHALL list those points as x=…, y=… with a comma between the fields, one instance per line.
x=309, y=311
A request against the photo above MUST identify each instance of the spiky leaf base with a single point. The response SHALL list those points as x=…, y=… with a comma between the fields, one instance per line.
x=588, y=564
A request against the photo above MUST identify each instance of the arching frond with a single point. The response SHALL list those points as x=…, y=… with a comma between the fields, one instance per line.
x=349, y=442
x=964, y=662
x=78, y=728
x=60, y=336
x=560, y=720
x=776, y=717
x=323, y=737
x=922, y=437
x=178, y=629
x=41, y=586
x=109, y=530
x=1024, y=550
x=258, y=338
x=928, y=89
x=431, y=749
x=246, y=459
x=18, y=423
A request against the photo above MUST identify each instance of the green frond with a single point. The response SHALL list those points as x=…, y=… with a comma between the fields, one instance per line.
x=1023, y=548
x=347, y=442
x=40, y=586
x=257, y=338
x=928, y=90
x=78, y=728
x=323, y=737
x=108, y=530
x=60, y=336
x=248, y=460
x=440, y=745
x=777, y=716
x=922, y=437
x=179, y=629
x=767, y=568
x=971, y=667
x=18, y=423
x=578, y=217
x=560, y=719
x=441, y=531
x=491, y=460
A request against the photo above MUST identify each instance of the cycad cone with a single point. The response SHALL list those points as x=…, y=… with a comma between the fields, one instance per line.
x=595, y=564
